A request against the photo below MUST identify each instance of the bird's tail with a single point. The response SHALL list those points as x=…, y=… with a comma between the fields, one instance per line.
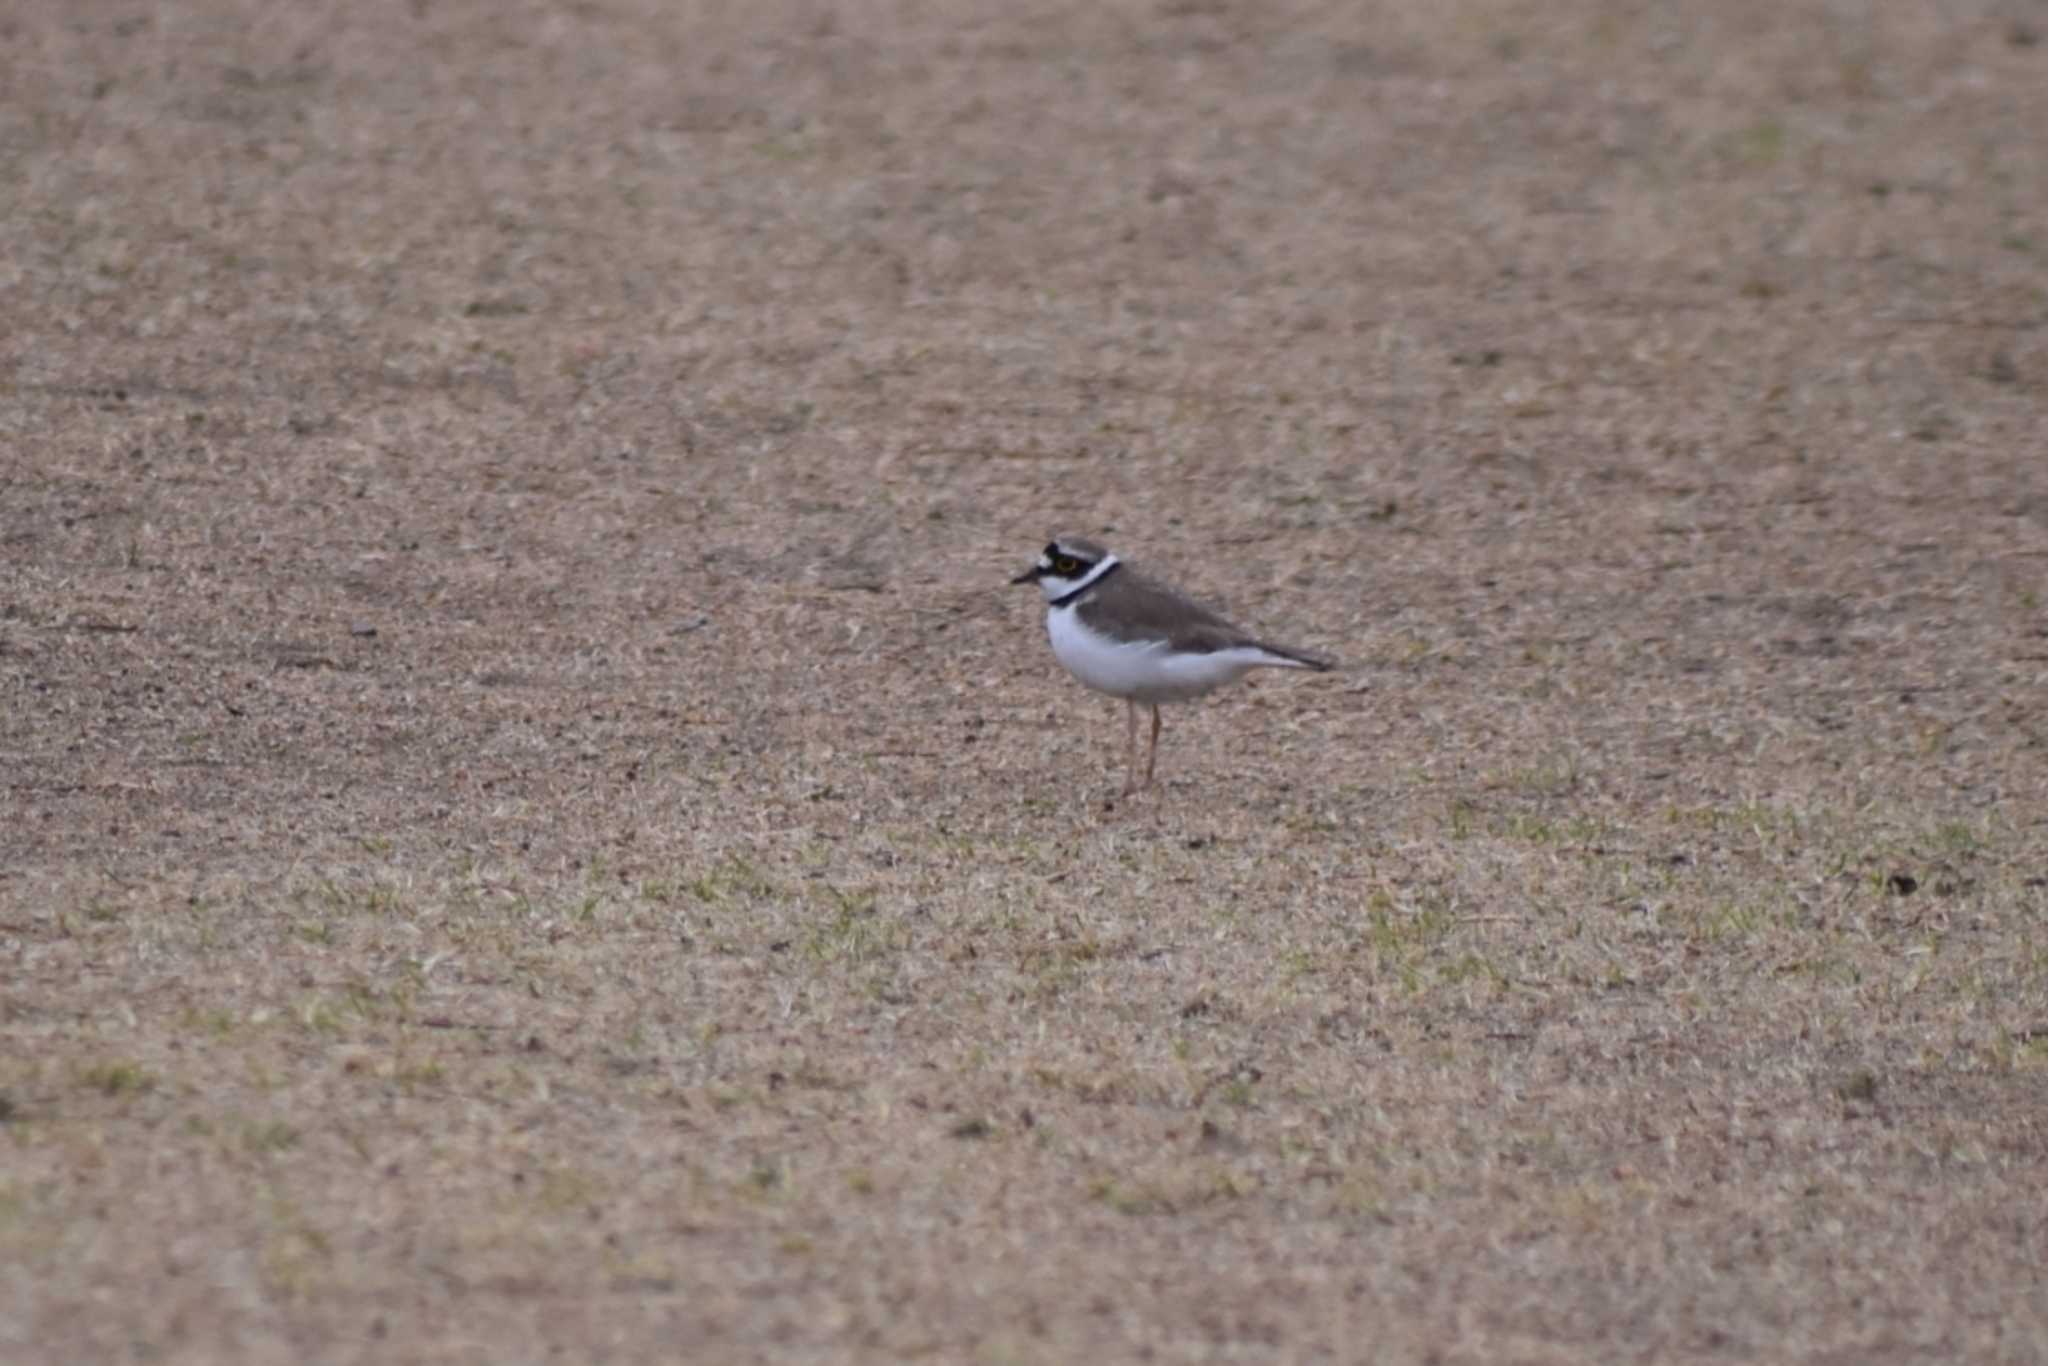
x=1285, y=657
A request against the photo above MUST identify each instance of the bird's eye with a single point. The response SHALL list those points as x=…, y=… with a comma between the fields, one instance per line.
x=1065, y=566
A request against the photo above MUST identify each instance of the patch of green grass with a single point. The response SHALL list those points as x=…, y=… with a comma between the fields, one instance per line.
x=116, y=1078
x=1759, y=145
x=1957, y=837
x=353, y=898
x=211, y=1021
x=731, y=879
x=562, y=1188
x=1471, y=967
x=1733, y=919
x=265, y=1137
x=764, y=1178
x=1828, y=968
x=296, y=1256
x=1051, y=1078
x=1125, y=1198
x=1400, y=933
x=1296, y=964
x=855, y=933
x=1359, y=1197
x=1769, y=825
x=1557, y=776
x=413, y=1074
x=1529, y=827
x=318, y=1014
x=1225, y=1183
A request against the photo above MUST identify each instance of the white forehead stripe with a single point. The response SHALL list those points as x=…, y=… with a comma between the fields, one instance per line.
x=1102, y=566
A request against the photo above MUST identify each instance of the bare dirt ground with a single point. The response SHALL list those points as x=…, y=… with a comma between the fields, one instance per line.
x=534, y=830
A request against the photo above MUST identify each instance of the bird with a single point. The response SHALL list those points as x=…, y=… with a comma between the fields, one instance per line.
x=1124, y=634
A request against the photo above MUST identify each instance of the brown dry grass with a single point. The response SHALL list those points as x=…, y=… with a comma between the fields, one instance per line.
x=533, y=830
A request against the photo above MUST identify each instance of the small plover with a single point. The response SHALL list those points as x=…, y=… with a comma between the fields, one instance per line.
x=1132, y=637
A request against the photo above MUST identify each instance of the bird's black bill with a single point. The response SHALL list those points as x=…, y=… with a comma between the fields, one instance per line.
x=1030, y=574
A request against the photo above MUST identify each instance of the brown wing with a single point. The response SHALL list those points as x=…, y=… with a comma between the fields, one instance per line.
x=1145, y=610
x=1151, y=611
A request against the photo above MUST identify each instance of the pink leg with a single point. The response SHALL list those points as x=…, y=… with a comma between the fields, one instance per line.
x=1152, y=750
x=1130, y=747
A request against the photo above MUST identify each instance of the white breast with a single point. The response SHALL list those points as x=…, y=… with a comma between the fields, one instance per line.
x=1144, y=670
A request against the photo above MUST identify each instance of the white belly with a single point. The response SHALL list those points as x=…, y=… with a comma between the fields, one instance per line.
x=1145, y=671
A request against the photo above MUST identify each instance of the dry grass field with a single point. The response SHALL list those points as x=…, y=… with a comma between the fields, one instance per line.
x=532, y=828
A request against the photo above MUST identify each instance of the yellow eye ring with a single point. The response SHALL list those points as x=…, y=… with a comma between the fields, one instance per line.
x=1065, y=565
